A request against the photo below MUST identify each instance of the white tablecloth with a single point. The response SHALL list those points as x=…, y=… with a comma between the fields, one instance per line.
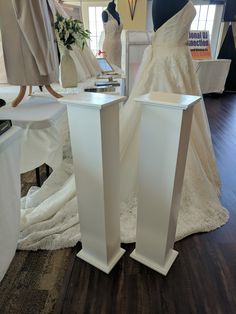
x=9, y=196
x=42, y=119
x=212, y=74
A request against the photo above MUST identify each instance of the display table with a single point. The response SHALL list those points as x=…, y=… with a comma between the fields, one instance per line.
x=41, y=119
x=9, y=196
x=212, y=74
x=164, y=138
x=94, y=133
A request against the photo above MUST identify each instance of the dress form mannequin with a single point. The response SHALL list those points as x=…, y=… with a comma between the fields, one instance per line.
x=22, y=92
x=113, y=28
x=31, y=55
x=111, y=8
x=163, y=10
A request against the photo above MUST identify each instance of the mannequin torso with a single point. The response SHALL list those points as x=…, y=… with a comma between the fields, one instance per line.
x=111, y=8
x=163, y=10
x=112, y=28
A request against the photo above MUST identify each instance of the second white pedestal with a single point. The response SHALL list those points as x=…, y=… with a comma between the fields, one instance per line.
x=164, y=137
x=94, y=132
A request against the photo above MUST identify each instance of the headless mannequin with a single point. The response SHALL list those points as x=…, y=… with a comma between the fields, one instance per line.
x=111, y=8
x=112, y=27
x=163, y=10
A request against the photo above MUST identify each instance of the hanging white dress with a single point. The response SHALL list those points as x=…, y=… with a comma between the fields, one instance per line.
x=112, y=41
x=85, y=62
x=49, y=218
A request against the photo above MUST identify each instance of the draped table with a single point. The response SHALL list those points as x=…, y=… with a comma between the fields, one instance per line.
x=41, y=119
x=9, y=196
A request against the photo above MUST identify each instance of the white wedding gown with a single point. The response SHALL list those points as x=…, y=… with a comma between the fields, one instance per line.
x=49, y=217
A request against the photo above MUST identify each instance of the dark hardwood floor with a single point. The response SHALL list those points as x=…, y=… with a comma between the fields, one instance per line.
x=202, y=279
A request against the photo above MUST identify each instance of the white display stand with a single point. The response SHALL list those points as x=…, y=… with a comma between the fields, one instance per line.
x=212, y=74
x=94, y=132
x=9, y=196
x=164, y=138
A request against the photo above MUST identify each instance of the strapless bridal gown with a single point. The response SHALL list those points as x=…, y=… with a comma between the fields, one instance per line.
x=49, y=218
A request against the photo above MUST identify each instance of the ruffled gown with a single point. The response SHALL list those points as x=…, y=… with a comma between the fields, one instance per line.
x=85, y=62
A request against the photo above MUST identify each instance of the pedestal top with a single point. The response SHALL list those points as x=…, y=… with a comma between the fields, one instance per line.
x=168, y=100
x=93, y=100
x=211, y=60
x=8, y=137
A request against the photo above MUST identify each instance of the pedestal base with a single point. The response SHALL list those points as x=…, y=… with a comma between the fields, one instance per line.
x=162, y=269
x=106, y=268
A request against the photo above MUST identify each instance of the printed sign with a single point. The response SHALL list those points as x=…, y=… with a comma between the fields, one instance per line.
x=199, y=44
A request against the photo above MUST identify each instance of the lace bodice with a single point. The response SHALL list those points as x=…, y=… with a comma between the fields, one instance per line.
x=174, y=32
x=111, y=27
x=112, y=42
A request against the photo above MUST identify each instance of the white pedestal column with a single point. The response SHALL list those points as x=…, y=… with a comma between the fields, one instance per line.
x=94, y=132
x=164, y=137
